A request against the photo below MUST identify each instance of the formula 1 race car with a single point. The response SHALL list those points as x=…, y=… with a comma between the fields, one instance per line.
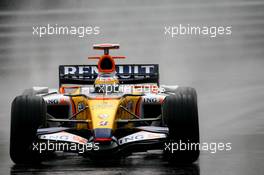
x=105, y=111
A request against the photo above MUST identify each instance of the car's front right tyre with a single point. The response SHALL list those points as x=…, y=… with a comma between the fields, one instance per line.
x=28, y=113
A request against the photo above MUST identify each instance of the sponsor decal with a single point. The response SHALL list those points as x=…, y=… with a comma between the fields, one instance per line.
x=103, y=123
x=81, y=106
x=142, y=135
x=52, y=101
x=103, y=116
x=64, y=136
x=101, y=106
x=123, y=71
x=151, y=100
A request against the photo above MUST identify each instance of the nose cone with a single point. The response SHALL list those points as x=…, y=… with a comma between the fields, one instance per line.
x=105, y=141
x=102, y=135
x=103, y=112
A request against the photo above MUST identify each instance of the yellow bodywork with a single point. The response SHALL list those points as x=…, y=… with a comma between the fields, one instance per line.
x=102, y=112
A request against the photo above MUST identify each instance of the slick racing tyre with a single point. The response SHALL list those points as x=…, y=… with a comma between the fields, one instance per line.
x=180, y=115
x=28, y=113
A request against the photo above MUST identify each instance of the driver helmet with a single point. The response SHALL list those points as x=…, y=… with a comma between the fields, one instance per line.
x=106, y=83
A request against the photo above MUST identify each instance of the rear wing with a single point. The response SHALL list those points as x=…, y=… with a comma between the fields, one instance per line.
x=126, y=73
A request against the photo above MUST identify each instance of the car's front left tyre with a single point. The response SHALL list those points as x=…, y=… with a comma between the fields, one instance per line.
x=180, y=115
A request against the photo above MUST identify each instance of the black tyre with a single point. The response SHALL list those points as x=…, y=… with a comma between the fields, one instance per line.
x=180, y=115
x=28, y=113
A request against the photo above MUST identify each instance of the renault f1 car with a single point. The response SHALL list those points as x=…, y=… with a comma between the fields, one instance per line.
x=105, y=111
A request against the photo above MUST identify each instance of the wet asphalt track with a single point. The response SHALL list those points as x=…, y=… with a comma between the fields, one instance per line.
x=226, y=71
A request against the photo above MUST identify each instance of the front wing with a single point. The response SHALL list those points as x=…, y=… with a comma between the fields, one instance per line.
x=143, y=139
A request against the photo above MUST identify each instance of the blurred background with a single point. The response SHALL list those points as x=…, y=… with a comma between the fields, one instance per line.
x=227, y=71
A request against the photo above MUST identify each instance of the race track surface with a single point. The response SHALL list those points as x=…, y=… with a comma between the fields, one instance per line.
x=227, y=72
